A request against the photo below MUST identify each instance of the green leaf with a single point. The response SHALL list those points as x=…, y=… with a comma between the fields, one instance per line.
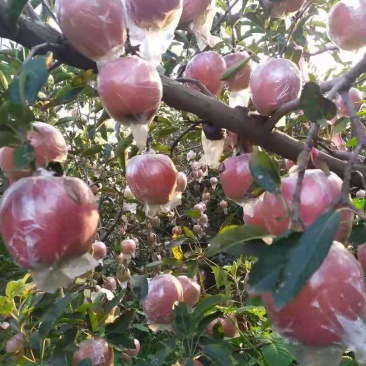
x=316, y=107
x=139, y=286
x=32, y=77
x=207, y=304
x=122, y=323
x=235, y=239
x=14, y=10
x=218, y=354
x=18, y=288
x=184, y=325
x=16, y=116
x=24, y=156
x=192, y=214
x=86, y=362
x=232, y=71
x=276, y=354
x=6, y=305
x=120, y=150
x=92, y=150
x=358, y=234
x=306, y=257
x=264, y=171
x=120, y=339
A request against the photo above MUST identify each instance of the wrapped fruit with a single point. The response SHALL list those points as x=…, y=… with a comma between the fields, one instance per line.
x=318, y=193
x=207, y=67
x=164, y=291
x=236, y=178
x=97, y=350
x=152, y=24
x=283, y=9
x=273, y=83
x=212, y=150
x=356, y=97
x=49, y=146
x=191, y=290
x=48, y=224
x=347, y=25
x=95, y=28
x=197, y=17
x=152, y=179
x=328, y=311
x=228, y=324
x=131, y=91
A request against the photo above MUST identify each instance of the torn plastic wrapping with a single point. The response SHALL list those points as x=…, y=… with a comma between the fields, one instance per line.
x=131, y=90
x=206, y=67
x=273, y=83
x=235, y=177
x=164, y=292
x=356, y=97
x=49, y=146
x=253, y=212
x=152, y=179
x=48, y=225
x=95, y=28
x=152, y=25
x=318, y=193
x=239, y=98
x=284, y=8
x=197, y=17
x=213, y=150
x=346, y=25
x=328, y=314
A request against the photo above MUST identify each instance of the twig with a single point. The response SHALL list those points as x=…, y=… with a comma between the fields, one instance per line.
x=112, y=226
x=319, y=52
x=222, y=18
x=35, y=50
x=302, y=165
x=189, y=129
x=199, y=85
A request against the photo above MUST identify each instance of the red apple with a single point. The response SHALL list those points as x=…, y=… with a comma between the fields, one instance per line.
x=241, y=79
x=49, y=146
x=347, y=25
x=356, y=97
x=207, y=67
x=99, y=250
x=181, y=182
x=235, y=177
x=197, y=363
x=97, y=350
x=128, y=247
x=164, y=291
x=154, y=15
x=15, y=346
x=152, y=178
x=95, y=28
x=110, y=283
x=191, y=290
x=126, y=359
x=134, y=352
x=361, y=256
x=273, y=83
x=331, y=300
x=228, y=325
x=193, y=10
x=224, y=204
x=44, y=220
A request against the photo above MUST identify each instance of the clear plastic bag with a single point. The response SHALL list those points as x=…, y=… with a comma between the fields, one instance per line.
x=346, y=25
x=356, y=97
x=212, y=151
x=131, y=90
x=197, y=17
x=284, y=8
x=95, y=28
x=48, y=224
x=152, y=24
x=328, y=314
x=273, y=83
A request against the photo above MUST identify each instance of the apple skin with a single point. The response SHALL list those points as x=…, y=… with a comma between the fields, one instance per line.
x=242, y=78
x=193, y=10
x=95, y=349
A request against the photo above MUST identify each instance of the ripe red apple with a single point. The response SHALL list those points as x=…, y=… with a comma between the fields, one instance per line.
x=356, y=97
x=126, y=359
x=95, y=28
x=254, y=212
x=289, y=164
x=49, y=145
x=97, y=350
x=198, y=229
x=206, y=197
x=318, y=193
x=273, y=83
x=361, y=256
x=130, y=89
x=164, y=291
x=191, y=290
x=241, y=79
x=110, y=283
x=152, y=178
x=347, y=25
x=197, y=363
x=207, y=67
x=99, y=250
x=154, y=15
x=134, y=352
x=224, y=204
x=235, y=177
x=128, y=247
x=181, y=182
x=193, y=10
x=333, y=296
x=228, y=325
x=177, y=230
x=44, y=220
x=15, y=346
x=284, y=8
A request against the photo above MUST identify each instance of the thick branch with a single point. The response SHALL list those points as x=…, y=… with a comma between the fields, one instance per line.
x=178, y=96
